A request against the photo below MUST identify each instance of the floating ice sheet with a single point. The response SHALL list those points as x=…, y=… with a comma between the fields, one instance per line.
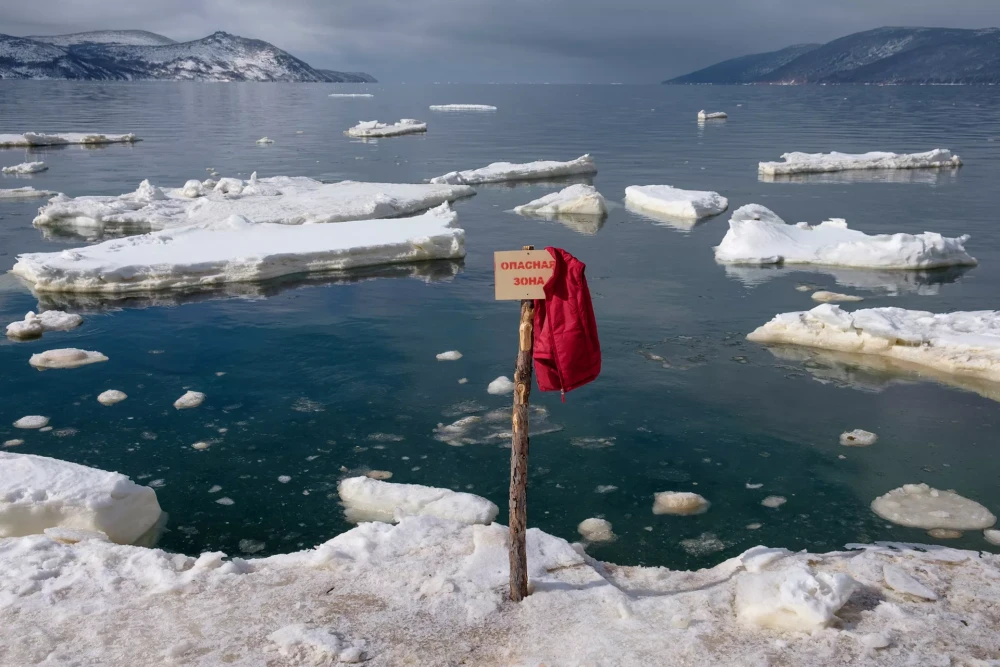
x=671, y=202
x=24, y=193
x=462, y=107
x=39, y=139
x=373, y=128
x=25, y=168
x=499, y=172
x=367, y=499
x=575, y=200
x=805, y=163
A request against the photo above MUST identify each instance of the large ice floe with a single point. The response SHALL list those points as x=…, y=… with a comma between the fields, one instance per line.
x=758, y=236
x=350, y=95
x=24, y=193
x=40, y=139
x=432, y=591
x=575, y=200
x=810, y=163
x=373, y=128
x=671, y=202
x=279, y=199
x=712, y=115
x=68, y=357
x=234, y=250
x=25, y=168
x=34, y=326
x=37, y=493
x=965, y=343
x=920, y=506
x=499, y=172
x=462, y=107
x=367, y=499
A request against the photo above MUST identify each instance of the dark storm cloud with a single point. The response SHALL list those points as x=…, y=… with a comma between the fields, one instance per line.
x=504, y=40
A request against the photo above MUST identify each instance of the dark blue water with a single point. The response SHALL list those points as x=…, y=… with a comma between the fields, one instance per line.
x=331, y=377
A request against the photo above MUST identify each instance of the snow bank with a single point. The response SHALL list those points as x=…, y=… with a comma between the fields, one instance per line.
x=920, y=506
x=367, y=499
x=462, y=107
x=235, y=250
x=499, y=172
x=24, y=193
x=758, y=236
x=281, y=199
x=34, y=326
x=712, y=115
x=373, y=128
x=25, y=168
x=960, y=343
x=674, y=202
x=37, y=492
x=69, y=357
x=810, y=163
x=39, y=139
x=577, y=199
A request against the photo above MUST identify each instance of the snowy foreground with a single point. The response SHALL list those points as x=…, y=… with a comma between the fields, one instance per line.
x=373, y=128
x=40, y=139
x=814, y=163
x=431, y=591
x=279, y=199
x=499, y=172
x=664, y=200
x=579, y=199
x=235, y=250
x=960, y=343
x=758, y=236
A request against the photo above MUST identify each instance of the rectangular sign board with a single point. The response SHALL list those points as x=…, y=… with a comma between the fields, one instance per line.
x=521, y=274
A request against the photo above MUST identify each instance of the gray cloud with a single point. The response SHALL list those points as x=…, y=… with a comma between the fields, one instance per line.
x=504, y=40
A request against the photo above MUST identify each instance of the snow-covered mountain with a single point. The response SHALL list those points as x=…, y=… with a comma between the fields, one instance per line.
x=883, y=55
x=140, y=55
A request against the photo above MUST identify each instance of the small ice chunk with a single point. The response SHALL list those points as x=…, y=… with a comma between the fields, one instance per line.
x=370, y=499
x=463, y=380
x=379, y=474
x=25, y=168
x=37, y=492
x=193, y=189
x=812, y=163
x=249, y=546
x=450, y=355
x=794, y=598
x=679, y=503
x=499, y=172
x=674, y=202
x=69, y=357
x=373, y=128
x=828, y=297
x=753, y=526
x=899, y=580
x=858, y=438
x=502, y=385
x=712, y=115
x=606, y=488
x=265, y=140
x=225, y=500
x=991, y=536
x=350, y=95
x=31, y=421
x=215, y=488
x=201, y=444
x=596, y=530
x=27, y=192
x=774, y=501
x=578, y=199
x=284, y=479
x=920, y=506
x=754, y=486
x=13, y=442
x=462, y=107
x=111, y=396
x=33, y=326
x=944, y=533
x=190, y=399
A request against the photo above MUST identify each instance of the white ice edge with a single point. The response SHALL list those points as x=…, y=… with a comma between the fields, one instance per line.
x=85, y=138
x=499, y=172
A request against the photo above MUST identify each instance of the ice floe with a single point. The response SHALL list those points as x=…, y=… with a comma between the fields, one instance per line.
x=499, y=172
x=805, y=163
x=190, y=399
x=920, y=506
x=236, y=250
x=596, y=530
x=858, y=438
x=40, y=139
x=25, y=168
x=961, y=343
x=578, y=199
x=758, y=236
x=34, y=326
x=69, y=357
x=111, y=396
x=450, y=355
x=265, y=140
x=992, y=536
x=367, y=499
x=664, y=200
x=350, y=95
x=13, y=442
x=279, y=199
x=712, y=115
x=25, y=193
x=373, y=128
x=32, y=421
x=774, y=502
x=793, y=598
x=824, y=296
x=502, y=385
x=462, y=107
x=679, y=503
x=37, y=492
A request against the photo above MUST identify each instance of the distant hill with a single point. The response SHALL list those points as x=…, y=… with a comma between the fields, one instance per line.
x=135, y=55
x=883, y=55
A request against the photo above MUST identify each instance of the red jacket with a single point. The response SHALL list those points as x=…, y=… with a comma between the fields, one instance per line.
x=567, y=352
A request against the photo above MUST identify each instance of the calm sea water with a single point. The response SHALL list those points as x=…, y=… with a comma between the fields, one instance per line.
x=319, y=379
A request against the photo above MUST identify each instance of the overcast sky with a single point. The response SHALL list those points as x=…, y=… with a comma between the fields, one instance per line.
x=632, y=41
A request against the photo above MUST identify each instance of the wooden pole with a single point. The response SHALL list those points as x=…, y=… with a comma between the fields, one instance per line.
x=519, y=454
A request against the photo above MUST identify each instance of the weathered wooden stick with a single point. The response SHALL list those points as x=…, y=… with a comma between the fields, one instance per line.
x=519, y=455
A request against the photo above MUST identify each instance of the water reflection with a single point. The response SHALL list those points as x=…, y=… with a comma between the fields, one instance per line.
x=579, y=223
x=890, y=282
x=904, y=176
x=680, y=224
